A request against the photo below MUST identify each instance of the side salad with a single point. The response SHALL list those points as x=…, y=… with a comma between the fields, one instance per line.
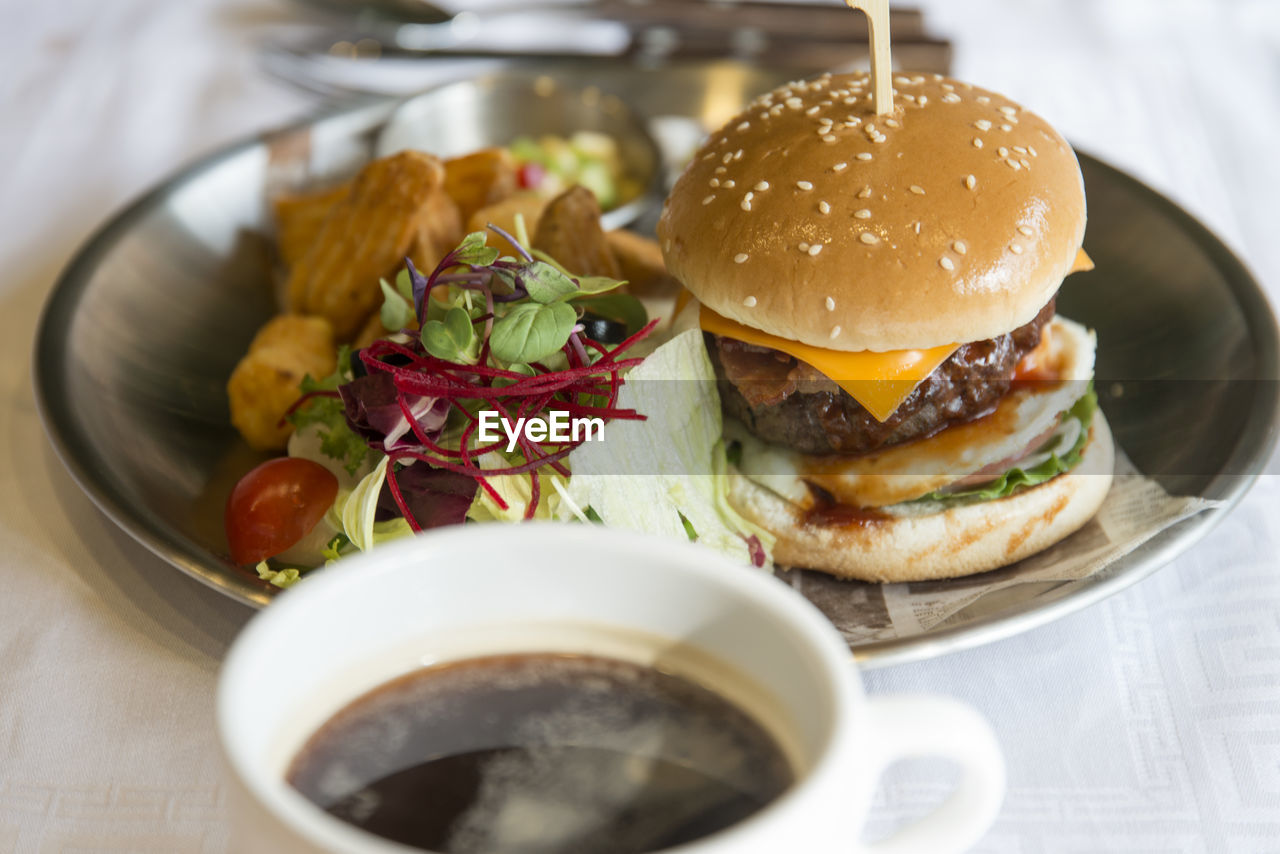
x=509, y=389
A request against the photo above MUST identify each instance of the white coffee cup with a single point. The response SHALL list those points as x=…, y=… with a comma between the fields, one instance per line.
x=486, y=589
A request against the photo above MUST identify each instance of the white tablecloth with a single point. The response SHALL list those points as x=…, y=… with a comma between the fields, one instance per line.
x=1148, y=723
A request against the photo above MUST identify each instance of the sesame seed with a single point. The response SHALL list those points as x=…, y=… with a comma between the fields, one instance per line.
x=1009, y=111
x=917, y=226
x=762, y=186
x=840, y=167
x=794, y=103
x=1002, y=151
x=746, y=205
x=775, y=110
x=729, y=185
x=868, y=238
x=1026, y=164
x=862, y=214
x=948, y=87
x=749, y=196
x=1013, y=164
x=725, y=160
x=709, y=199
x=977, y=142
x=829, y=137
x=902, y=81
x=870, y=128
x=1006, y=128
x=924, y=99
x=831, y=304
x=951, y=98
x=803, y=247
x=879, y=138
x=1015, y=249
x=715, y=182
x=983, y=99
x=1025, y=230
x=737, y=155
x=744, y=126
x=918, y=190
x=1031, y=150
x=893, y=123
x=812, y=111
x=946, y=263
x=864, y=193
x=1019, y=149
x=815, y=249
x=970, y=181
x=720, y=170
x=749, y=302
x=982, y=124
x=823, y=207
x=960, y=247
x=740, y=258
x=864, y=155
x=804, y=185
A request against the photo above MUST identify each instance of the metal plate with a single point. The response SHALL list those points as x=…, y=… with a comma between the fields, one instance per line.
x=146, y=323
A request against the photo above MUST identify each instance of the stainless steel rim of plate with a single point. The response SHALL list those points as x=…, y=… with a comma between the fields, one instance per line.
x=67, y=430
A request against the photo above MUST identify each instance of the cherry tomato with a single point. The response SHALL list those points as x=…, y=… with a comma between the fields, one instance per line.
x=531, y=176
x=275, y=506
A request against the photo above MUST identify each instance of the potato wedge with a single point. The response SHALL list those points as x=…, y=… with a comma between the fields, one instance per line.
x=439, y=231
x=570, y=232
x=503, y=214
x=364, y=238
x=299, y=218
x=640, y=263
x=265, y=383
x=480, y=179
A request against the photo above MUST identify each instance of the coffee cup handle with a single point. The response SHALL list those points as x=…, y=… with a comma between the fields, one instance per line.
x=911, y=727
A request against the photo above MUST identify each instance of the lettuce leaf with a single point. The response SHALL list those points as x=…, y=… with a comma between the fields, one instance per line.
x=666, y=475
x=354, y=512
x=516, y=490
x=327, y=414
x=1056, y=462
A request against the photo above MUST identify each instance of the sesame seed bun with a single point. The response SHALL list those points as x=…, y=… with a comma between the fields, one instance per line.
x=959, y=541
x=811, y=218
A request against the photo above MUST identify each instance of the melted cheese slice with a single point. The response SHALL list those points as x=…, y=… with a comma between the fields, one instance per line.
x=1082, y=263
x=879, y=381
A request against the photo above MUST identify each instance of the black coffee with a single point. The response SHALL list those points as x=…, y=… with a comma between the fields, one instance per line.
x=541, y=753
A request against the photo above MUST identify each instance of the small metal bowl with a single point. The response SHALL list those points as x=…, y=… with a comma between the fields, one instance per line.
x=462, y=117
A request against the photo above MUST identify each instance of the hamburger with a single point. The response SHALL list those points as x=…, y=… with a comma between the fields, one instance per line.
x=877, y=294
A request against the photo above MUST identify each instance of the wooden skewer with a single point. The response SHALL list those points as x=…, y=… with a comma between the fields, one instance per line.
x=877, y=12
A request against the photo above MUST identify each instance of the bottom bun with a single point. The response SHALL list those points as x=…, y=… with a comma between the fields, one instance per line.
x=962, y=540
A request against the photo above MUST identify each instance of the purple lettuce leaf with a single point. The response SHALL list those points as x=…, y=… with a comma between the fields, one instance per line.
x=372, y=408
x=435, y=497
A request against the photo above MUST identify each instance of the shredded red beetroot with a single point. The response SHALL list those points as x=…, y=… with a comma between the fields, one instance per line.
x=583, y=389
x=756, y=549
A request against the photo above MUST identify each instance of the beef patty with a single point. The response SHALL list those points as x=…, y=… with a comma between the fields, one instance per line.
x=781, y=399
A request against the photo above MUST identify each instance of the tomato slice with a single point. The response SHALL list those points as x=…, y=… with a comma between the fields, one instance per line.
x=275, y=506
